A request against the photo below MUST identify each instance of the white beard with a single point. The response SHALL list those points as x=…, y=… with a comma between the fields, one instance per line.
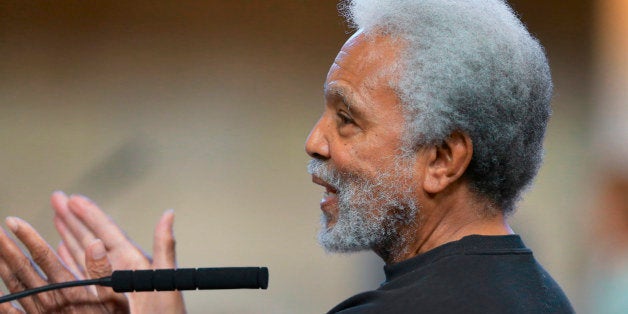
x=370, y=210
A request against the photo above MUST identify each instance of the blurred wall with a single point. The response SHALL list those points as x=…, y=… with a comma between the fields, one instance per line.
x=608, y=276
x=203, y=106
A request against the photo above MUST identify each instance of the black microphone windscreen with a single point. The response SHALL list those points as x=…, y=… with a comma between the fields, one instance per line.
x=190, y=279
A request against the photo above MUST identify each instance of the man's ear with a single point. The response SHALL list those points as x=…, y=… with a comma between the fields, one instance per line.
x=445, y=163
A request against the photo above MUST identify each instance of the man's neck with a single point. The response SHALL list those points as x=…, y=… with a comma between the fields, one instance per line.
x=443, y=222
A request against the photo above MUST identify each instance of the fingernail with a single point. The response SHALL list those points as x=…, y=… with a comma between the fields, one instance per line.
x=12, y=224
x=98, y=249
x=77, y=201
x=83, y=200
x=58, y=192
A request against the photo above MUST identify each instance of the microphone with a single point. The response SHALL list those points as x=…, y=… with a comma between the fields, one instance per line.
x=166, y=280
x=190, y=279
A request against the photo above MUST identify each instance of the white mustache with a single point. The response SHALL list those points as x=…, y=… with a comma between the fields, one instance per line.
x=326, y=172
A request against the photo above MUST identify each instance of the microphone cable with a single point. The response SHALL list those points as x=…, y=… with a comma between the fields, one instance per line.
x=165, y=280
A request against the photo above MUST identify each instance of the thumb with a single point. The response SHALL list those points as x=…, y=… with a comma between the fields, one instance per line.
x=164, y=243
x=96, y=260
x=98, y=266
x=164, y=257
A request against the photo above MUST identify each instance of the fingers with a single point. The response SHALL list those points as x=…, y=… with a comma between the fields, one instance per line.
x=164, y=243
x=7, y=308
x=71, y=251
x=98, y=266
x=59, y=202
x=122, y=252
x=41, y=253
x=99, y=223
x=14, y=285
x=17, y=272
x=96, y=220
x=8, y=277
x=73, y=231
x=70, y=262
x=15, y=259
x=80, y=221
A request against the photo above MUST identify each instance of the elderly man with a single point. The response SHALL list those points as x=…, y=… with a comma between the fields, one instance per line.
x=435, y=113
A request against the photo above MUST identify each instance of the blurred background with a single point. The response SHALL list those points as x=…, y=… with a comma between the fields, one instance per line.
x=204, y=106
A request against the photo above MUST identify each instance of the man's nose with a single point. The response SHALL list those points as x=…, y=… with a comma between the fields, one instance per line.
x=317, y=145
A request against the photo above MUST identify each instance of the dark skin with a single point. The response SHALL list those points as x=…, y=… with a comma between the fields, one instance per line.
x=92, y=244
x=18, y=274
x=360, y=129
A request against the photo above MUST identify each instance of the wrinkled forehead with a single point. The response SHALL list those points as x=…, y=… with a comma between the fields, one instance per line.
x=369, y=50
x=370, y=56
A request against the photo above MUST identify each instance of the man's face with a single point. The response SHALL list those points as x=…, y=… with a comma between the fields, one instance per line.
x=356, y=150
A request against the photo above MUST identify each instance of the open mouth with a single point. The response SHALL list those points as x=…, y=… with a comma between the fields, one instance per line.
x=331, y=193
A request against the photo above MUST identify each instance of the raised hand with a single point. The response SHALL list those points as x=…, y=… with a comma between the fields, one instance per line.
x=79, y=221
x=19, y=273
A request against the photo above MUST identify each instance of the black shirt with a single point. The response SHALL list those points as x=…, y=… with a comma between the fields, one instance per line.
x=477, y=274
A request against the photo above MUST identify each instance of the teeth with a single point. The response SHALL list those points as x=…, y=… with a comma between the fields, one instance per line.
x=328, y=196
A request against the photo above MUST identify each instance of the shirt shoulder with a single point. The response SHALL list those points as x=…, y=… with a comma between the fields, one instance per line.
x=474, y=281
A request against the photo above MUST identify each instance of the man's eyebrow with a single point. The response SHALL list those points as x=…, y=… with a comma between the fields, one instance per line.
x=343, y=93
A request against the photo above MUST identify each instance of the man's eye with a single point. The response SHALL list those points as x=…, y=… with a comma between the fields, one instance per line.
x=344, y=118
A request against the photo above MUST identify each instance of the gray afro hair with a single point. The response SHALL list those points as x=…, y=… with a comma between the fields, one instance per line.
x=469, y=66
